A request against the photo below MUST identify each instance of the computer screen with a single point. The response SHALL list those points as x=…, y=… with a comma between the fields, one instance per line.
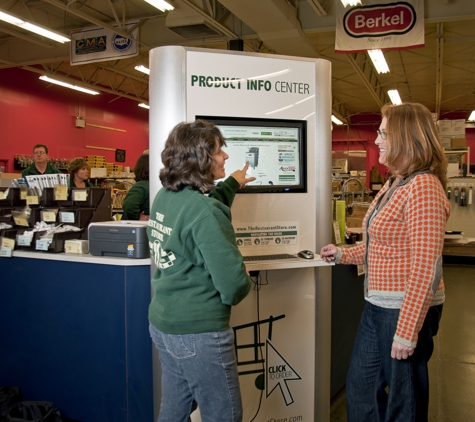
x=275, y=150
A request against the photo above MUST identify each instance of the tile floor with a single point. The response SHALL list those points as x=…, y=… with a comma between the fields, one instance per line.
x=452, y=367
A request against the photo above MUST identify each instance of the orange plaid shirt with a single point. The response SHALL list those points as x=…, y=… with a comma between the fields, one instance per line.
x=403, y=250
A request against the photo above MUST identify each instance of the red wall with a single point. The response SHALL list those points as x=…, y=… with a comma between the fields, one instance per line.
x=361, y=136
x=33, y=111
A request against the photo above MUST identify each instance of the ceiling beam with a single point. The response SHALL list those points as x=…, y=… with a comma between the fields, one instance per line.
x=340, y=111
x=87, y=84
x=317, y=7
x=28, y=38
x=361, y=65
x=221, y=28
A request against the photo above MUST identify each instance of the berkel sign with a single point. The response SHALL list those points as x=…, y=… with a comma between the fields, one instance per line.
x=378, y=21
x=380, y=25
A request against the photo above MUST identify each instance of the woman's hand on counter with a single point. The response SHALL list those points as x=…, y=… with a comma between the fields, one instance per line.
x=328, y=253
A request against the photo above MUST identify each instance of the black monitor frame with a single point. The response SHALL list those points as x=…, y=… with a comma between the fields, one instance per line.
x=301, y=125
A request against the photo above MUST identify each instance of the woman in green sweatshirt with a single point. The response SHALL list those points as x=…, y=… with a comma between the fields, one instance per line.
x=200, y=275
x=136, y=204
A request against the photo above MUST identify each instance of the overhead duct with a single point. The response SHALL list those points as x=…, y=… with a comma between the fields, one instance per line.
x=276, y=23
x=188, y=23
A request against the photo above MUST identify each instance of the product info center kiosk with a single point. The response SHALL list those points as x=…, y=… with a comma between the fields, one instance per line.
x=274, y=112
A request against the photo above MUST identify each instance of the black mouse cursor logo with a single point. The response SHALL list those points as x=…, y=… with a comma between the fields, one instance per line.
x=278, y=373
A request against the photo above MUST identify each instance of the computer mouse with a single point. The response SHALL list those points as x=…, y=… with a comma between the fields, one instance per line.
x=306, y=254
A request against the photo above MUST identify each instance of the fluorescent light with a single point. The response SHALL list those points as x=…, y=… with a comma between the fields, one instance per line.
x=350, y=2
x=336, y=120
x=65, y=84
x=143, y=69
x=471, y=118
x=143, y=105
x=379, y=61
x=160, y=4
x=394, y=96
x=33, y=28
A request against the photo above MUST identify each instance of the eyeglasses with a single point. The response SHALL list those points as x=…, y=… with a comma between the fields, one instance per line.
x=39, y=152
x=382, y=134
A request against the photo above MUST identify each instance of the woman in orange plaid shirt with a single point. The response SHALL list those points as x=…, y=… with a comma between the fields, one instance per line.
x=404, y=289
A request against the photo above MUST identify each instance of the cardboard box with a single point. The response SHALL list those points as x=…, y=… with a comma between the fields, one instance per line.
x=458, y=128
x=453, y=170
x=446, y=141
x=445, y=127
x=359, y=210
x=354, y=222
x=459, y=143
x=98, y=172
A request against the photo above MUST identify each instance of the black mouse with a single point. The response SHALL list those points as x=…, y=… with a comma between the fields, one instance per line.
x=306, y=254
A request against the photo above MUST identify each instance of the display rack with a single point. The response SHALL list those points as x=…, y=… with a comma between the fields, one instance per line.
x=79, y=209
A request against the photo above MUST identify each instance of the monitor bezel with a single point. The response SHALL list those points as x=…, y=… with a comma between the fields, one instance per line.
x=278, y=123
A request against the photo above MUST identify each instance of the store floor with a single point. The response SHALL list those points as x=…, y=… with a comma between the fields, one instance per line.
x=452, y=367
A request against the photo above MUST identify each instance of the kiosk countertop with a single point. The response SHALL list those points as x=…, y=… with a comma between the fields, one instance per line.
x=83, y=258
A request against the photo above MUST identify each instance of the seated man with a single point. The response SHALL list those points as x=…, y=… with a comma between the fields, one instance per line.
x=40, y=163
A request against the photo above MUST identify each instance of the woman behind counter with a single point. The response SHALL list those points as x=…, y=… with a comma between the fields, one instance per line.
x=136, y=204
x=79, y=173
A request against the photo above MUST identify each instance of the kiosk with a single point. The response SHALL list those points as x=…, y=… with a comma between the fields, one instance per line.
x=275, y=112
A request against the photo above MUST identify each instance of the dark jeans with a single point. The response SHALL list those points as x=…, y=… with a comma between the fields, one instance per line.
x=380, y=388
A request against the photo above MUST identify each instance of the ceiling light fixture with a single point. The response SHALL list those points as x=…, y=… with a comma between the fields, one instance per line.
x=160, y=5
x=350, y=2
x=394, y=96
x=471, y=118
x=379, y=62
x=33, y=28
x=143, y=69
x=336, y=120
x=143, y=105
x=68, y=85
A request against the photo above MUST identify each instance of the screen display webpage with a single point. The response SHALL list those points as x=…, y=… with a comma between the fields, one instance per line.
x=272, y=152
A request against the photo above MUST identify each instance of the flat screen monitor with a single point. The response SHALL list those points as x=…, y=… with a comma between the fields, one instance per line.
x=275, y=150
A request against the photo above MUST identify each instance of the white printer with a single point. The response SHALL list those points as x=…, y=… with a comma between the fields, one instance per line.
x=127, y=239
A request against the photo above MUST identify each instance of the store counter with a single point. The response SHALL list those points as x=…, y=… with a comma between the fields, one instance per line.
x=75, y=332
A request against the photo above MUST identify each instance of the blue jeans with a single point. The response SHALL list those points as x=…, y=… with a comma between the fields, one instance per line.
x=380, y=388
x=198, y=369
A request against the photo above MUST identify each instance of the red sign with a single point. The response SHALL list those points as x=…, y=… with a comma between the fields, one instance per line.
x=379, y=20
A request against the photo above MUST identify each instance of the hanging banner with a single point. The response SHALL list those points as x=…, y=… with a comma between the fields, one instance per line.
x=100, y=44
x=379, y=24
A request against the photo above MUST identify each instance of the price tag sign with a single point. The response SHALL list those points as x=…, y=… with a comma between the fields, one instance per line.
x=23, y=193
x=8, y=243
x=5, y=252
x=80, y=195
x=32, y=200
x=49, y=216
x=20, y=221
x=24, y=240
x=42, y=244
x=67, y=217
x=71, y=248
x=60, y=193
x=361, y=269
x=2, y=195
x=336, y=230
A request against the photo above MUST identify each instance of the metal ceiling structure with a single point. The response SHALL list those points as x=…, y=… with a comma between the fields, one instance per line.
x=441, y=75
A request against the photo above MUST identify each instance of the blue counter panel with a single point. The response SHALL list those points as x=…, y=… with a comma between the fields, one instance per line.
x=77, y=335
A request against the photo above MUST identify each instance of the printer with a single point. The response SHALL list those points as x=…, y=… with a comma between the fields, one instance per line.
x=127, y=239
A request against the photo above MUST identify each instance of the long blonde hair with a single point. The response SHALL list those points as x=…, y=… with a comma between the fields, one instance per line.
x=414, y=142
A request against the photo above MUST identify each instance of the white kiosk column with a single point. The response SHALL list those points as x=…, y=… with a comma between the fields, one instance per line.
x=283, y=327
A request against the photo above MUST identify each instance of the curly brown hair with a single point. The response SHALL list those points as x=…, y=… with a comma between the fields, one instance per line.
x=188, y=156
x=77, y=164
